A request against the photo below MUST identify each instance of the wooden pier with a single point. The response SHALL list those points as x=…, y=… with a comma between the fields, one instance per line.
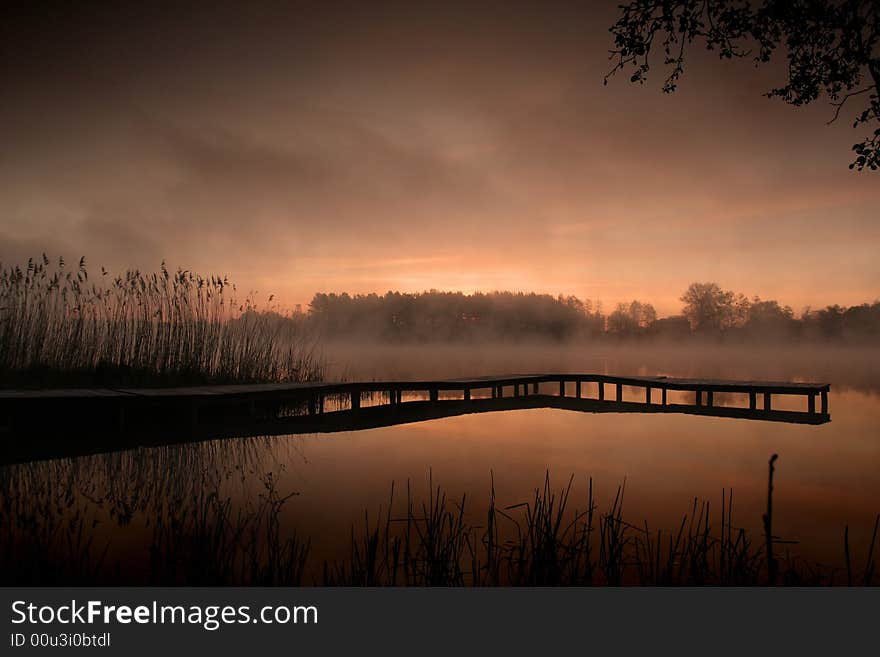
x=116, y=417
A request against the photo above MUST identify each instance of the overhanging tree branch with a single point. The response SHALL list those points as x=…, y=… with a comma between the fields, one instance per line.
x=840, y=105
x=829, y=47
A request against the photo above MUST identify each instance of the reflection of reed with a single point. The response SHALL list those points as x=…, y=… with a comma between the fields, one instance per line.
x=207, y=512
x=543, y=544
x=211, y=513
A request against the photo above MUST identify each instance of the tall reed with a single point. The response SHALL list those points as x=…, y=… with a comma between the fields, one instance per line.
x=544, y=542
x=58, y=326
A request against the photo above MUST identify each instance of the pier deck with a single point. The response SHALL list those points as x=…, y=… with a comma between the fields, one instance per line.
x=71, y=422
x=585, y=386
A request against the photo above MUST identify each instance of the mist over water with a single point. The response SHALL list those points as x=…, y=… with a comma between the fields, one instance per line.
x=842, y=366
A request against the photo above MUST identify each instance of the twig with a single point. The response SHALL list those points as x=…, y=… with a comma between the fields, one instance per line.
x=768, y=525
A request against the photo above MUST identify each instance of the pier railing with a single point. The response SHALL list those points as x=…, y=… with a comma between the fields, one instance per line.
x=116, y=418
x=498, y=386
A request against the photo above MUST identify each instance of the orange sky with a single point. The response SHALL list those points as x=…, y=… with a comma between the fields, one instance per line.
x=402, y=148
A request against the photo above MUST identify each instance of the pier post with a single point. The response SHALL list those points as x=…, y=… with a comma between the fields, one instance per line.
x=577, y=388
x=562, y=387
x=435, y=394
x=699, y=397
x=619, y=392
x=709, y=398
x=467, y=394
x=516, y=390
x=824, y=402
x=811, y=403
x=753, y=401
x=601, y=390
x=355, y=399
x=663, y=395
x=535, y=388
x=648, y=395
x=766, y=401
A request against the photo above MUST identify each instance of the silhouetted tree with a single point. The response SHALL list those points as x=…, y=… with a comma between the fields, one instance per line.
x=856, y=323
x=631, y=318
x=675, y=327
x=709, y=308
x=862, y=321
x=831, y=47
x=769, y=319
x=620, y=322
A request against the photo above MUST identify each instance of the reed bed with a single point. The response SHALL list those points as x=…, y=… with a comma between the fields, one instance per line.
x=61, y=327
x=188, y=517
x=546, y=543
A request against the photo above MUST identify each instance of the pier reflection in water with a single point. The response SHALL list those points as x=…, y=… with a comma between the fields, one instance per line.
x=101, y=420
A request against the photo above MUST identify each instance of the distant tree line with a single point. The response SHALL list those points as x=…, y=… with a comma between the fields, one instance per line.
x=438, y=315
x=707, y=311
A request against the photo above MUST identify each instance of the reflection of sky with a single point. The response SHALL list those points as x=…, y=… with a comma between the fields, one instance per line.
x=826, y=475
x=334, y=152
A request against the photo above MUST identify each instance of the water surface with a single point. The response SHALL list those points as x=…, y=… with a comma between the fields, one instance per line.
x=827, y=475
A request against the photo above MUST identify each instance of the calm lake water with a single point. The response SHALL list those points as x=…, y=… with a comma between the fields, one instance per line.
x=827, y=475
